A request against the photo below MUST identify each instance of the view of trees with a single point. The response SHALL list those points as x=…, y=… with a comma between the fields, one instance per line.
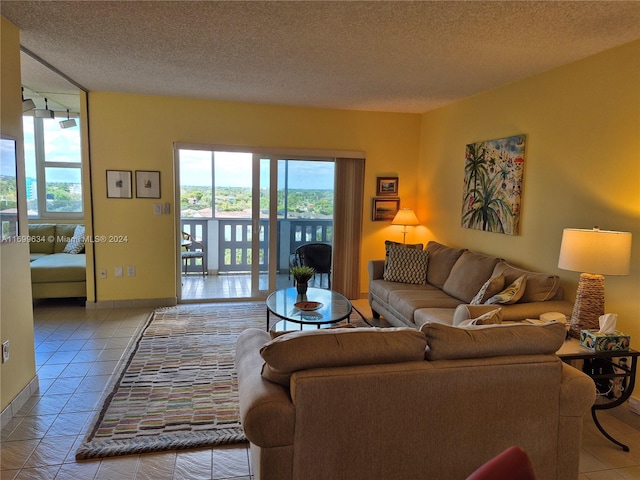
x=197, y=201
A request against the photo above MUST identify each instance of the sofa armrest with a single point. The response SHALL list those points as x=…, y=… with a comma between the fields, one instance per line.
x=376, y=269
x=577, y=392
x=266, y=411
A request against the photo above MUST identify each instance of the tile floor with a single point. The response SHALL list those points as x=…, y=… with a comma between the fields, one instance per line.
x=77, y=351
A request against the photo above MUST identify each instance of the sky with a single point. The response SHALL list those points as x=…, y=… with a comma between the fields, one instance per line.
x=233, y=169
x=62, y=145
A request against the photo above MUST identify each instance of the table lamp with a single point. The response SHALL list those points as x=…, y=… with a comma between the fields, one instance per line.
x=405, y=217
x=598, y=252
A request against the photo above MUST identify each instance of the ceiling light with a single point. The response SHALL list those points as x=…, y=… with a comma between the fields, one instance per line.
x=44, y=112
x=69, y=122
x=27, y=104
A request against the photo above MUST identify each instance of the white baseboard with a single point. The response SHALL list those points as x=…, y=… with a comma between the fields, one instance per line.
x=18, y=402
x=141, y=303
x=634, y=405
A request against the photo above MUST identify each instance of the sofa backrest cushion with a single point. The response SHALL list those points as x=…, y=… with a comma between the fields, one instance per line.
x=445, y=342
x=42, y=238
x=441, y=261
x=539, y=288
x=64, y=233
x=468, y=275
x=306, y=349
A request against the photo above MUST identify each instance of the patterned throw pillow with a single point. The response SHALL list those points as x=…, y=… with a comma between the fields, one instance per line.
x=511, y=294
x=488, y=290
x=407, y=265
x=489, y=318
x=388, y=244
x=76, y=243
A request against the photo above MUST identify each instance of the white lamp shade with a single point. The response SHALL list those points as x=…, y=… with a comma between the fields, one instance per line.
x=405, y=216
x=595, y=251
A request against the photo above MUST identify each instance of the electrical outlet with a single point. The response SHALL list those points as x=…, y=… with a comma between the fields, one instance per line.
x=157, y=209
x=117, y=272
x=131, y=270
x=103, y=273
x=5, y=351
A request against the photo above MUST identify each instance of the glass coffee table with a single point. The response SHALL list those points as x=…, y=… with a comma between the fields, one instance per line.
x=319, y=308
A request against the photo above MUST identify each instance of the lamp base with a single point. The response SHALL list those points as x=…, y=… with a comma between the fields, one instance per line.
x=589, y=304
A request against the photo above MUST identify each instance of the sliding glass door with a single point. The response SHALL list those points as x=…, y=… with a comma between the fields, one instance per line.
x=240, y=204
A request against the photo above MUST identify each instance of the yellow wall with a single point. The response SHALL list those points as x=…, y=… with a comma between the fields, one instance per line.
x=130, y=132
x=582, y=168
x=16, y=315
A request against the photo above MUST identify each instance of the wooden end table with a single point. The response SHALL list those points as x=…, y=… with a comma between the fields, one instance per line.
x=613, y=371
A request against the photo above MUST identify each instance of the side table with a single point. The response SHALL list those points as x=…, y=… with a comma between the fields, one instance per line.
x=614, y=373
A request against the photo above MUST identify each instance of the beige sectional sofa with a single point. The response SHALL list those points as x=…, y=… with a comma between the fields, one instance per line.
x=454, y=277
x=58, y=261
x=402, y=403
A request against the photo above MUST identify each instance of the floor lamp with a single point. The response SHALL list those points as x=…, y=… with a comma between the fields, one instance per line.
x=405, y=217
x=599, y=252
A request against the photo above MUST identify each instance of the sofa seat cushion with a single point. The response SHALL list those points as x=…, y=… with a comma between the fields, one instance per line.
x=436, y=315
x=307, y=349
x=36, y=256
x=445, y=342
x=540, y=287
x=59, y=267
x=441, y=261
x=406, y=302
x=469, y=274
x=382, y=289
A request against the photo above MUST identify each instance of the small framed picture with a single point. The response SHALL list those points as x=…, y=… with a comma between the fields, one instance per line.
x=119, y=184
x=384, y=209
x=387, y=186
x=147, y=184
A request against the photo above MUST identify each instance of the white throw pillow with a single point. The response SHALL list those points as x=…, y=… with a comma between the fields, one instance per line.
x=511, y=294
x=76, y=243
x=488, y=290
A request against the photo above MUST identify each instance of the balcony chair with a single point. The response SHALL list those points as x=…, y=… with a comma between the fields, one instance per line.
x=316, y=256
x=188, y=243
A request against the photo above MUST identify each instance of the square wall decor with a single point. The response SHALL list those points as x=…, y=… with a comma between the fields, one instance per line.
x=493, y=173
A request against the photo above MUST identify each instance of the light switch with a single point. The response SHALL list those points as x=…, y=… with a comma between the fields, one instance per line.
x=157, y=209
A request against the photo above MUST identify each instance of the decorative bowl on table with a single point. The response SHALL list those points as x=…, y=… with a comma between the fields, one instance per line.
x=308, y=306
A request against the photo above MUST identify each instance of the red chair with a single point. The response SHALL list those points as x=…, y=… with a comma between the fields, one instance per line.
x=512, y=464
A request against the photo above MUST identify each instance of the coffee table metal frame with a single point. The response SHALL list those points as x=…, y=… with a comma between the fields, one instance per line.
x=335, y=307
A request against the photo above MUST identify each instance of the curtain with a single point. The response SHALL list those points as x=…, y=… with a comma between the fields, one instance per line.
x=347, y=226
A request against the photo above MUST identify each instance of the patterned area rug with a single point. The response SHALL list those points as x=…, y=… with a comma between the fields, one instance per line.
x=179, y=387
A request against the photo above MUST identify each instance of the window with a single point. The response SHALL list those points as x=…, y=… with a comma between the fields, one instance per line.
x=53, y=165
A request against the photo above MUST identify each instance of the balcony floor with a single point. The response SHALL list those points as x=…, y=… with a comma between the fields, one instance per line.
x=195, y=288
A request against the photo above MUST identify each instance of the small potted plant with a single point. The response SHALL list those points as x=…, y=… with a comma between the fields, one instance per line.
x=301, y=275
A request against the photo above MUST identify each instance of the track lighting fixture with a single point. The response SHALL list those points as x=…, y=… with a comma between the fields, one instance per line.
x=27, y=104
x=44, y=112
x=69, y=122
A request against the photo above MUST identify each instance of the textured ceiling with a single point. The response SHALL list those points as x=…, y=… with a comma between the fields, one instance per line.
x=384, y=56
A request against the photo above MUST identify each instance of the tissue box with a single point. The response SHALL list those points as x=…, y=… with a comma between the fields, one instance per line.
x=604, y=342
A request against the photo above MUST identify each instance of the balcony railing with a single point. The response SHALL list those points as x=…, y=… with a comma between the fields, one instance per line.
x=233, y=252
